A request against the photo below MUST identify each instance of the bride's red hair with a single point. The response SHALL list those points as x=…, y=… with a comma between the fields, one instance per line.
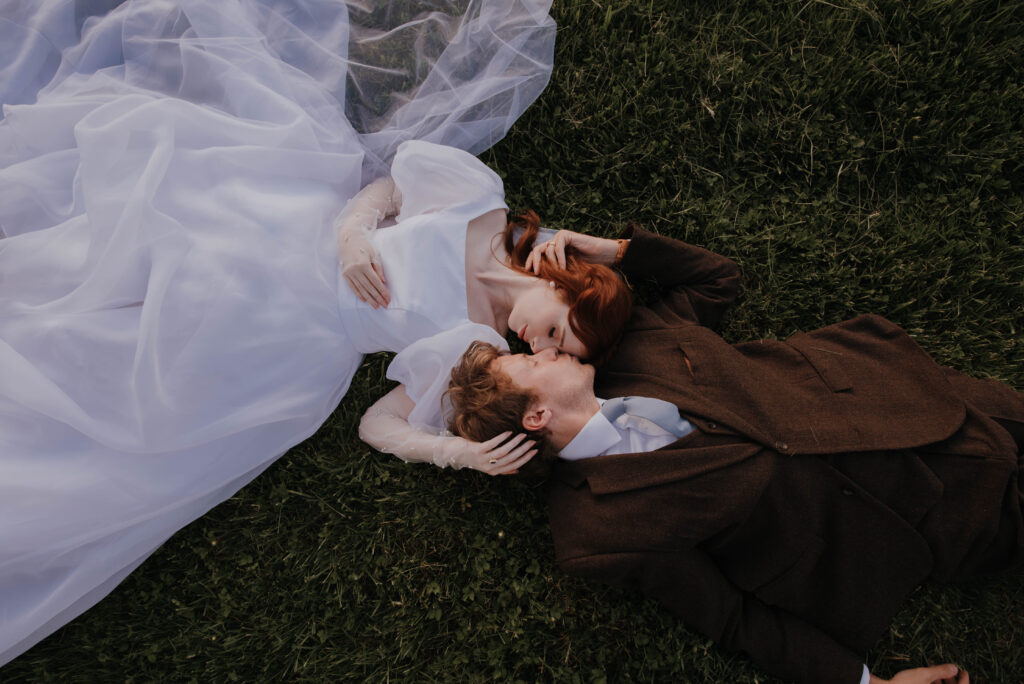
x=599, y=300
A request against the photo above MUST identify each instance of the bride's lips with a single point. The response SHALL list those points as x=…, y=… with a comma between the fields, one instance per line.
x=522, y=333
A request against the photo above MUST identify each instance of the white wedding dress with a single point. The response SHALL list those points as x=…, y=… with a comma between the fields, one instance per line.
x=171, y=314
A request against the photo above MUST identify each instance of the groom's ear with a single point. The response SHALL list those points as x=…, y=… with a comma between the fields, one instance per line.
x=537, y=417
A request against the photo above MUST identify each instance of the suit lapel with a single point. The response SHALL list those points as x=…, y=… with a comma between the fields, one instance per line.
x=658, y=365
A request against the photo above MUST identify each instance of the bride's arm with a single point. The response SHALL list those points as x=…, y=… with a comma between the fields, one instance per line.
x=385, y=426
x=361, y=214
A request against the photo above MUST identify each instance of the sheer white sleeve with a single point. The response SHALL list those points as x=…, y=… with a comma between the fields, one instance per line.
x=361, y=214
x=385, y=427
x=410, y=421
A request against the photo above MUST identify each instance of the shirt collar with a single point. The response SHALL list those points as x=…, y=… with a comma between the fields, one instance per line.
x=596, y=437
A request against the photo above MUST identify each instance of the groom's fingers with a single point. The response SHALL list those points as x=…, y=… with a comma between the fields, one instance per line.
x=560, y=253
x=961, y=678
x=935, y=674
x=554, y=251
x=534, y=258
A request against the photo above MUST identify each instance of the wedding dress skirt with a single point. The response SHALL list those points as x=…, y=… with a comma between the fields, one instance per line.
x=169, y=318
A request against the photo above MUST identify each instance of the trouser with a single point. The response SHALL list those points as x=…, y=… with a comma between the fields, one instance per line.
x=982, y=470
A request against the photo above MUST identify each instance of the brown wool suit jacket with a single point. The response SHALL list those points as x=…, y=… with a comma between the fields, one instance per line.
x=787, y=526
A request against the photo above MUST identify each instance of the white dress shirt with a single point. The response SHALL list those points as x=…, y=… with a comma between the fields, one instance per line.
x=628, y=434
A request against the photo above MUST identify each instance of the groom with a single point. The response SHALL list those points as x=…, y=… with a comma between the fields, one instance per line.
x=782, y=497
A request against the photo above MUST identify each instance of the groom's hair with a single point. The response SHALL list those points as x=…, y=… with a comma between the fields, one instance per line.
x=486, y=401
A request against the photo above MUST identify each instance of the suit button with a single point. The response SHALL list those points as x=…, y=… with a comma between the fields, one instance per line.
x=781, y=446
x=847, y=491
x=712, y=426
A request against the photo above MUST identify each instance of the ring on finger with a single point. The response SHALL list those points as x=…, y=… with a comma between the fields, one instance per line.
x=492, y=461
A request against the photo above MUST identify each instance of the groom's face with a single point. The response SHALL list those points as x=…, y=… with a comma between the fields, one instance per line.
x=555, y=378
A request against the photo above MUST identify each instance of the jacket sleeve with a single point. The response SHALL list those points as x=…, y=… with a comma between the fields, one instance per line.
x=695, y=285
x=689, y=584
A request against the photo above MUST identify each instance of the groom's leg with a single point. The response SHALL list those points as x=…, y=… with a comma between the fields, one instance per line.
x=982, y=471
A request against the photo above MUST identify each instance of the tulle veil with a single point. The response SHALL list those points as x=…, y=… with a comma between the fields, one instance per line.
x=168, y=304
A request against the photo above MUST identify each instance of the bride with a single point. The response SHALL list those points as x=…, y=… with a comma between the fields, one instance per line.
x=172, y=312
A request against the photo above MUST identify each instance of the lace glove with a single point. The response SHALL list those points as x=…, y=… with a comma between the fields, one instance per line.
x=358, y=259
x=385, y=427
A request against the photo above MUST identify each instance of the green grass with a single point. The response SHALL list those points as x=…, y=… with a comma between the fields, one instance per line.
x=853, y=156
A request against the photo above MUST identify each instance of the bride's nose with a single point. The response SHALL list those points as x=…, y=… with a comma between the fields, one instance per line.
x=539, y=344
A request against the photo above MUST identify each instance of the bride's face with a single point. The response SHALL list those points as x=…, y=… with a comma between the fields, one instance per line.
x=541, y=319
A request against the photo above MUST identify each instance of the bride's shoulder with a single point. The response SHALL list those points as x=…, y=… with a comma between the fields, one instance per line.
x=485, y=233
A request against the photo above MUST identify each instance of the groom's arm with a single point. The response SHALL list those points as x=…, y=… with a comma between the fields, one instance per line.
x=690, y=584
x=695, y=285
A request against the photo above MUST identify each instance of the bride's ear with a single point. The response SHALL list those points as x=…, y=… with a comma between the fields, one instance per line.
x=537, y=417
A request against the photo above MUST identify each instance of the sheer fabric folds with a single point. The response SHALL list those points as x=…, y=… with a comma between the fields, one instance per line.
x=169, y=319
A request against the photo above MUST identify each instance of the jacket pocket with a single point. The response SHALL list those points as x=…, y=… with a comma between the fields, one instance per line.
x=827, y=362
x=688, y=363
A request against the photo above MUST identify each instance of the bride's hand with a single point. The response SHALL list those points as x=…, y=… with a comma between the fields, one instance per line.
x=362, y=271
x=590, y=248
x=495, y=456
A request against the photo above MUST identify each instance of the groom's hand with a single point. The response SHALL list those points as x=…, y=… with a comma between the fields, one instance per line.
x=937, y=674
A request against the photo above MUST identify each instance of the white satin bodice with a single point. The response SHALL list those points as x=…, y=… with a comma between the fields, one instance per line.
x=423, y=254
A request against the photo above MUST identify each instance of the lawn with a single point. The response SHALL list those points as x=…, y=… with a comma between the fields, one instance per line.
x=852, y=156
